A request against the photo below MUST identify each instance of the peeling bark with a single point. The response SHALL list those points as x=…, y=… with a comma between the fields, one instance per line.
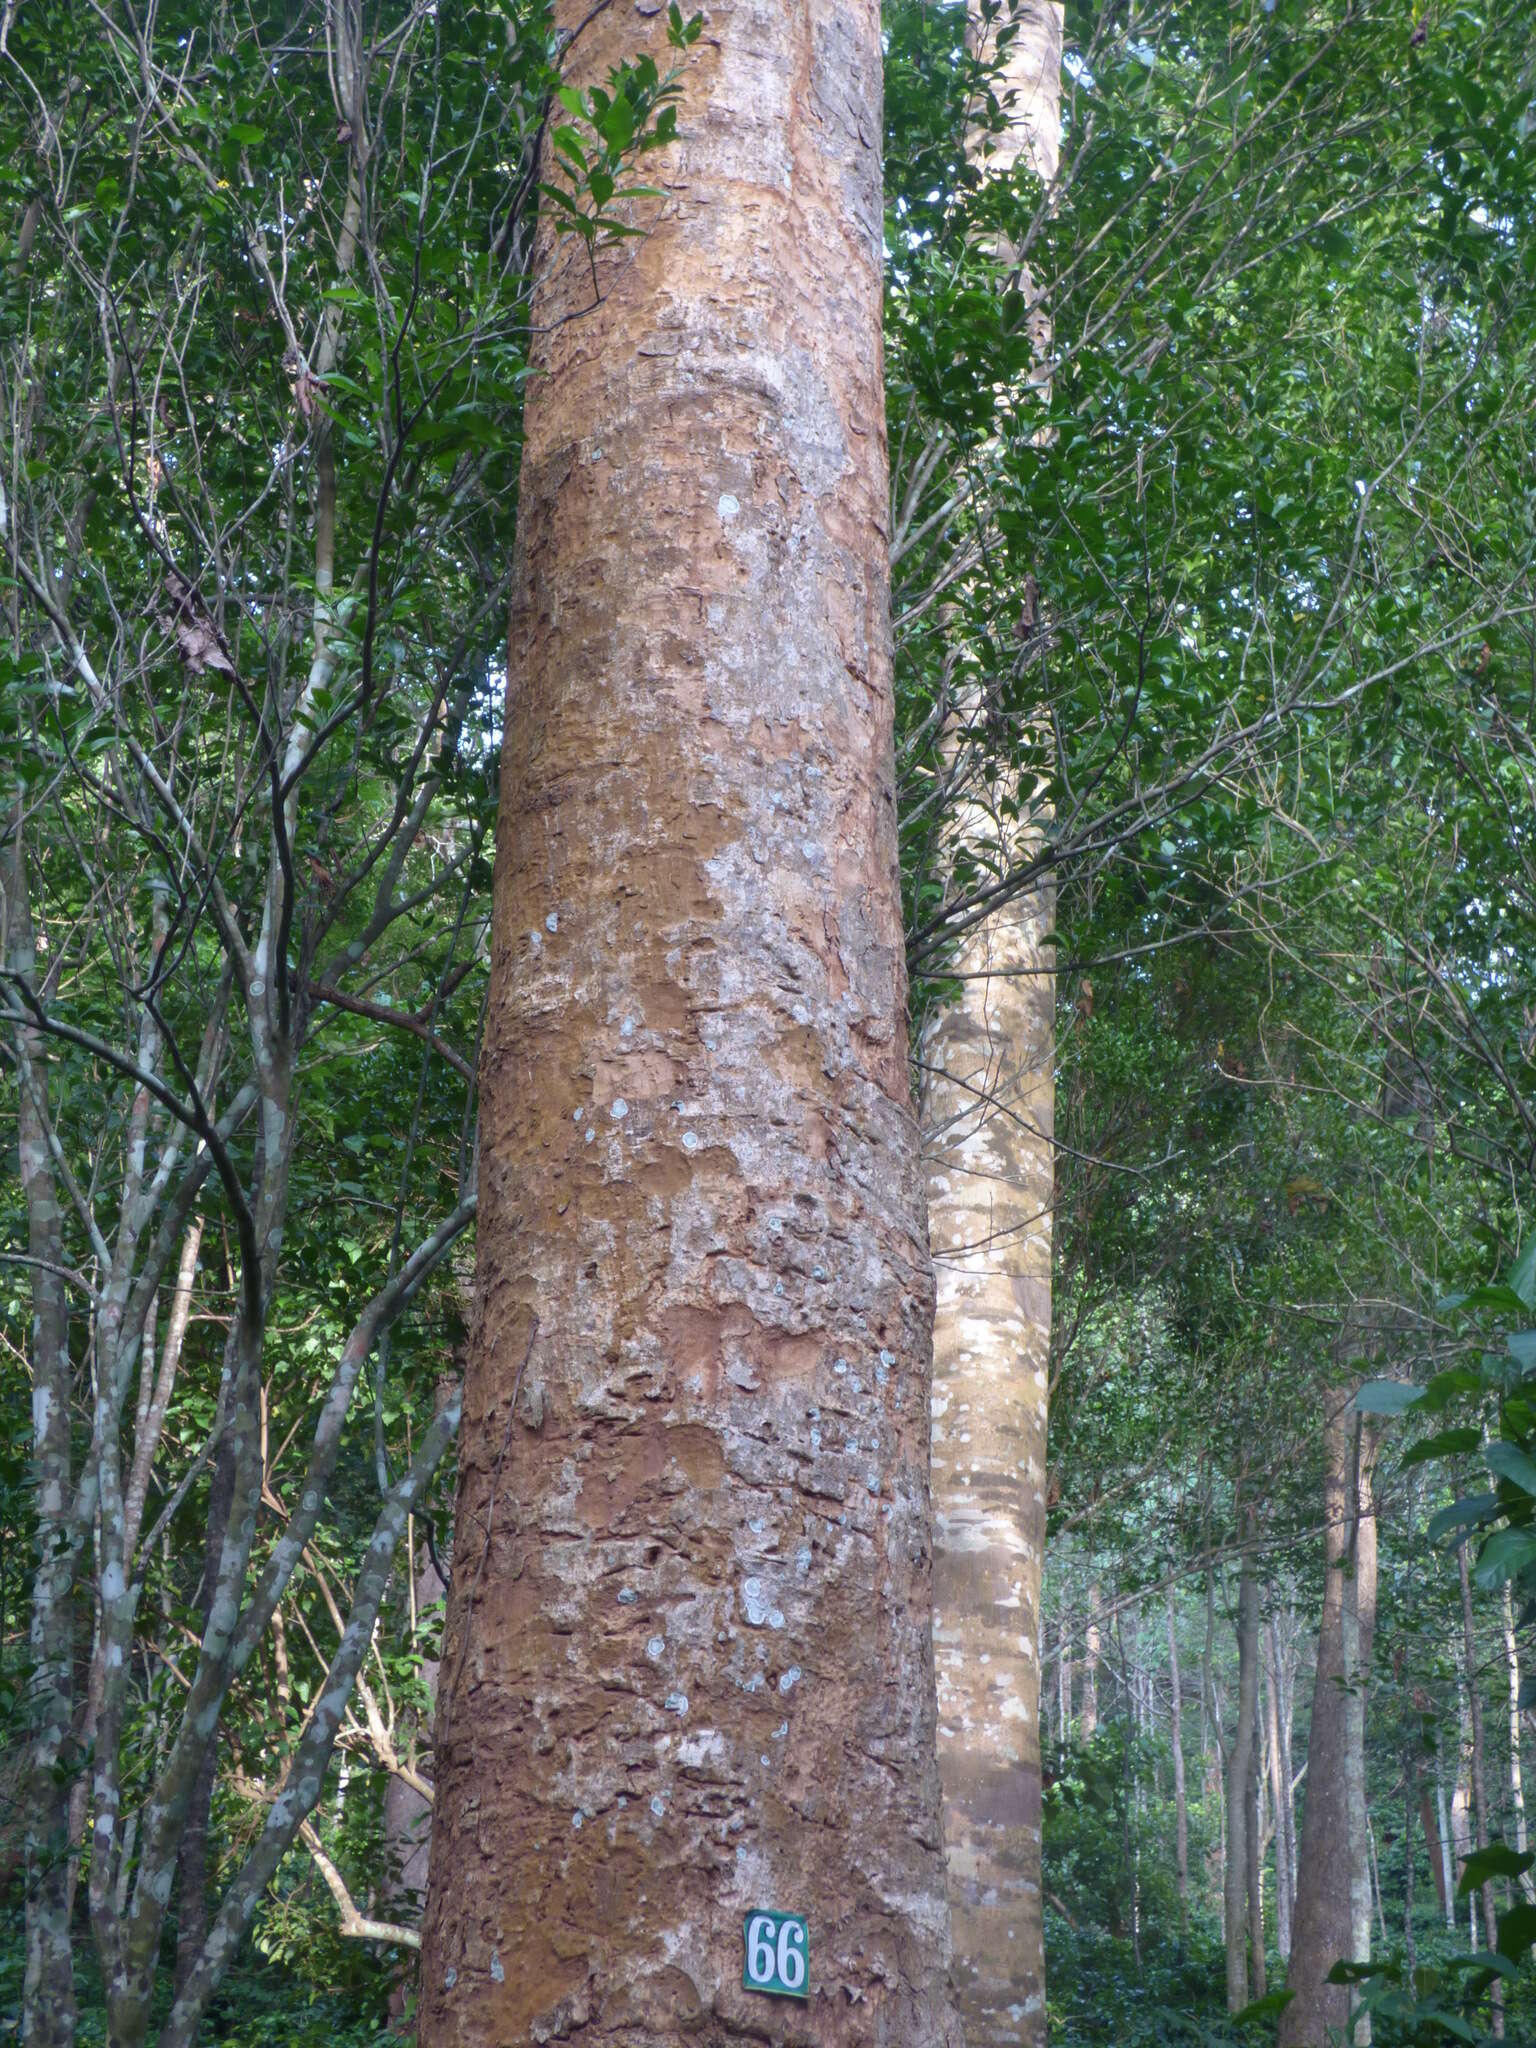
x=688, y=1663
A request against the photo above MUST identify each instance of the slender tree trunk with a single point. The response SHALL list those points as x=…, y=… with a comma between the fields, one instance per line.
x=1439, y=1870
x=1064, y=1690
x=1321, y=1927
x=1516, y=1779
x=1479, y=1774
x=688, y=1667
x=1242, y=1785
x=989, y=1114
x=1410, y=1788
x=1279, y=1789
x=1359, y=1647
x=1180, y=1795
x=48, y=1988
x=1447, y=1874
x=1088, y=1717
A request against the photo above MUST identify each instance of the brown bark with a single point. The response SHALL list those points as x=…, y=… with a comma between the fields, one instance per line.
x=989, y=1115
x=688, y=1665
x=1321, y=1927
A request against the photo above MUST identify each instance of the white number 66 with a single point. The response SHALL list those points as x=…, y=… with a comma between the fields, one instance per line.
x=762, y=1955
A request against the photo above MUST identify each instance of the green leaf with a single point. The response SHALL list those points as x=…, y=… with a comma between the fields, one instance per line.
x=1512, y=1464
x=1522, y=1274
x=1517, y=1930
x=1497, y=1860
x=1470, y=1512
x=1448, y=1443
x=1386, y=1397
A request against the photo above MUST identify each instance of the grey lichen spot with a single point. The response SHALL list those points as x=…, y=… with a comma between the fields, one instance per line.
x=655, y=1649
x=590, y=1136
x=839, y=1366
x=627, y=1596
x=552, y=922
x=756, y=1604
x=677, y=1703
x=618, y=1109
x=656, y=1805
x=790, y=1679
x=690, y=1141
x=450, y=1977
x=498, y=1974
x=728, y=507
x=776, y=1618
x=577, y=1818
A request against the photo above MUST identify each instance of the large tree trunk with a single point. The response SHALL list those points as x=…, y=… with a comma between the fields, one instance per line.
x=688, y=1666
x=988, y=1114
x=1359, y=1649
x=1321, y=1926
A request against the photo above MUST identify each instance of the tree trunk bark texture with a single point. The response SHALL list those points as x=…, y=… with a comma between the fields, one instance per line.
x=688, y=1666
x=988, y=1116
x=1321, y=1924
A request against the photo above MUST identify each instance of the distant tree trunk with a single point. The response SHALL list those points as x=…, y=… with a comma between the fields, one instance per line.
x=1479, y=1775
x=1280, y=1793
x=1359, y=1648
x=1064, y=1689
x=1088, y=1718
x=1242, y=1785
x=1410, y=1789
x=1516, y=1780
x=988, y=1114
x=688, y=1665
x=1180, y=1797
x=1439, y=1870
x=1447, y=1823
x=1321, y=1928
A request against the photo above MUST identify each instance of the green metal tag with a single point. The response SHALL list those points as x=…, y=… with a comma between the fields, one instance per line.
x=778, y=1954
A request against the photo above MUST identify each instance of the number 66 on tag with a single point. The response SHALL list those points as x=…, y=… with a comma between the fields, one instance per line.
x=778, y=1954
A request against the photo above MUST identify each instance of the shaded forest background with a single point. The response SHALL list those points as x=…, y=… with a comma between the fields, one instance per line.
x=1240, y=599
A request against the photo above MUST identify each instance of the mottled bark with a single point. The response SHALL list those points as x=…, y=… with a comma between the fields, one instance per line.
x=1320, y=1934
x=988, y=1116
x=1359, y=1650
x=688, y=1666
